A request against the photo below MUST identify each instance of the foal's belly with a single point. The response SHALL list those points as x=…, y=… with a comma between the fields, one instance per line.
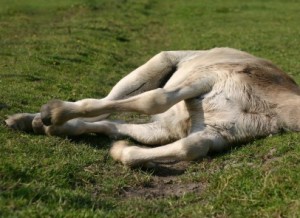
x=235, y=118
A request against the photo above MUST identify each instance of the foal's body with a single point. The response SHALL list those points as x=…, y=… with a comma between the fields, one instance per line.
x=200, y=101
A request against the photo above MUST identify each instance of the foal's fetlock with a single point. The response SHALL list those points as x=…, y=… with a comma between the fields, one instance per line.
x=53, y=113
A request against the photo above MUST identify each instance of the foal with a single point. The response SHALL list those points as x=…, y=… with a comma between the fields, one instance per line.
x=200, y=101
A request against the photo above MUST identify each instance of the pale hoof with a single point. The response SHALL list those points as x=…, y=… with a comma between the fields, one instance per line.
x=37, y=125
x=20, y=122
x=52, y=113
x=123, y=152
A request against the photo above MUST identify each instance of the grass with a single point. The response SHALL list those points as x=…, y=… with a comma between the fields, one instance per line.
x=77, y=49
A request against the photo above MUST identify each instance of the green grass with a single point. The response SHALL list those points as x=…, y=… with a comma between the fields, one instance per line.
x=77, y=49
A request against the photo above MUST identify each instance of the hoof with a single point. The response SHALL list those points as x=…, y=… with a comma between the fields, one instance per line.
x=46, y=115
x=20, y=122
x=51, y=113
x=117, y=150
x=125, y=153
x=37, y=125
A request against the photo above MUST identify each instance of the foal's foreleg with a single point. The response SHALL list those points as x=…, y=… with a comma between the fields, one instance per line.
x=192, y=147
x=21, y=122
x=150, y=133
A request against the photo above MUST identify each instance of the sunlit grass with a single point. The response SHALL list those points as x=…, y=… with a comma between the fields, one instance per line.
x=77, y=49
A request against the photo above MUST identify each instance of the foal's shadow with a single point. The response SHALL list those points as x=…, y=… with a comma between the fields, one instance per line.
x=93, y=140
x=161, y=169
x=98, y=141
x=179, y=168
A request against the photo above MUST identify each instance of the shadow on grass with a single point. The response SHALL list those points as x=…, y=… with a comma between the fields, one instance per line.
x=166, y=171
x=93, y=140
x=161, y=169
x=26, y=77
x=103, y=142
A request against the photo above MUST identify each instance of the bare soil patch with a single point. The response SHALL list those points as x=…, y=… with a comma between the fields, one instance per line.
x=164, y=183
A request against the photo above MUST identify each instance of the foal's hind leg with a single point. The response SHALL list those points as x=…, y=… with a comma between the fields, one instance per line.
x=151, y=75
x=196, y=83
x=151, y=102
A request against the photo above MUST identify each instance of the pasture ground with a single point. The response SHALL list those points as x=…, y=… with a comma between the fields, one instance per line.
x=75, y=49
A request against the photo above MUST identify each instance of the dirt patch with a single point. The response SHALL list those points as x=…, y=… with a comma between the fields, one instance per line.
x=160, y=190
x=164, y=183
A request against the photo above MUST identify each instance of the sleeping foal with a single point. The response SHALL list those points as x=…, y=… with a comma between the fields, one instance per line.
x=200, y=101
